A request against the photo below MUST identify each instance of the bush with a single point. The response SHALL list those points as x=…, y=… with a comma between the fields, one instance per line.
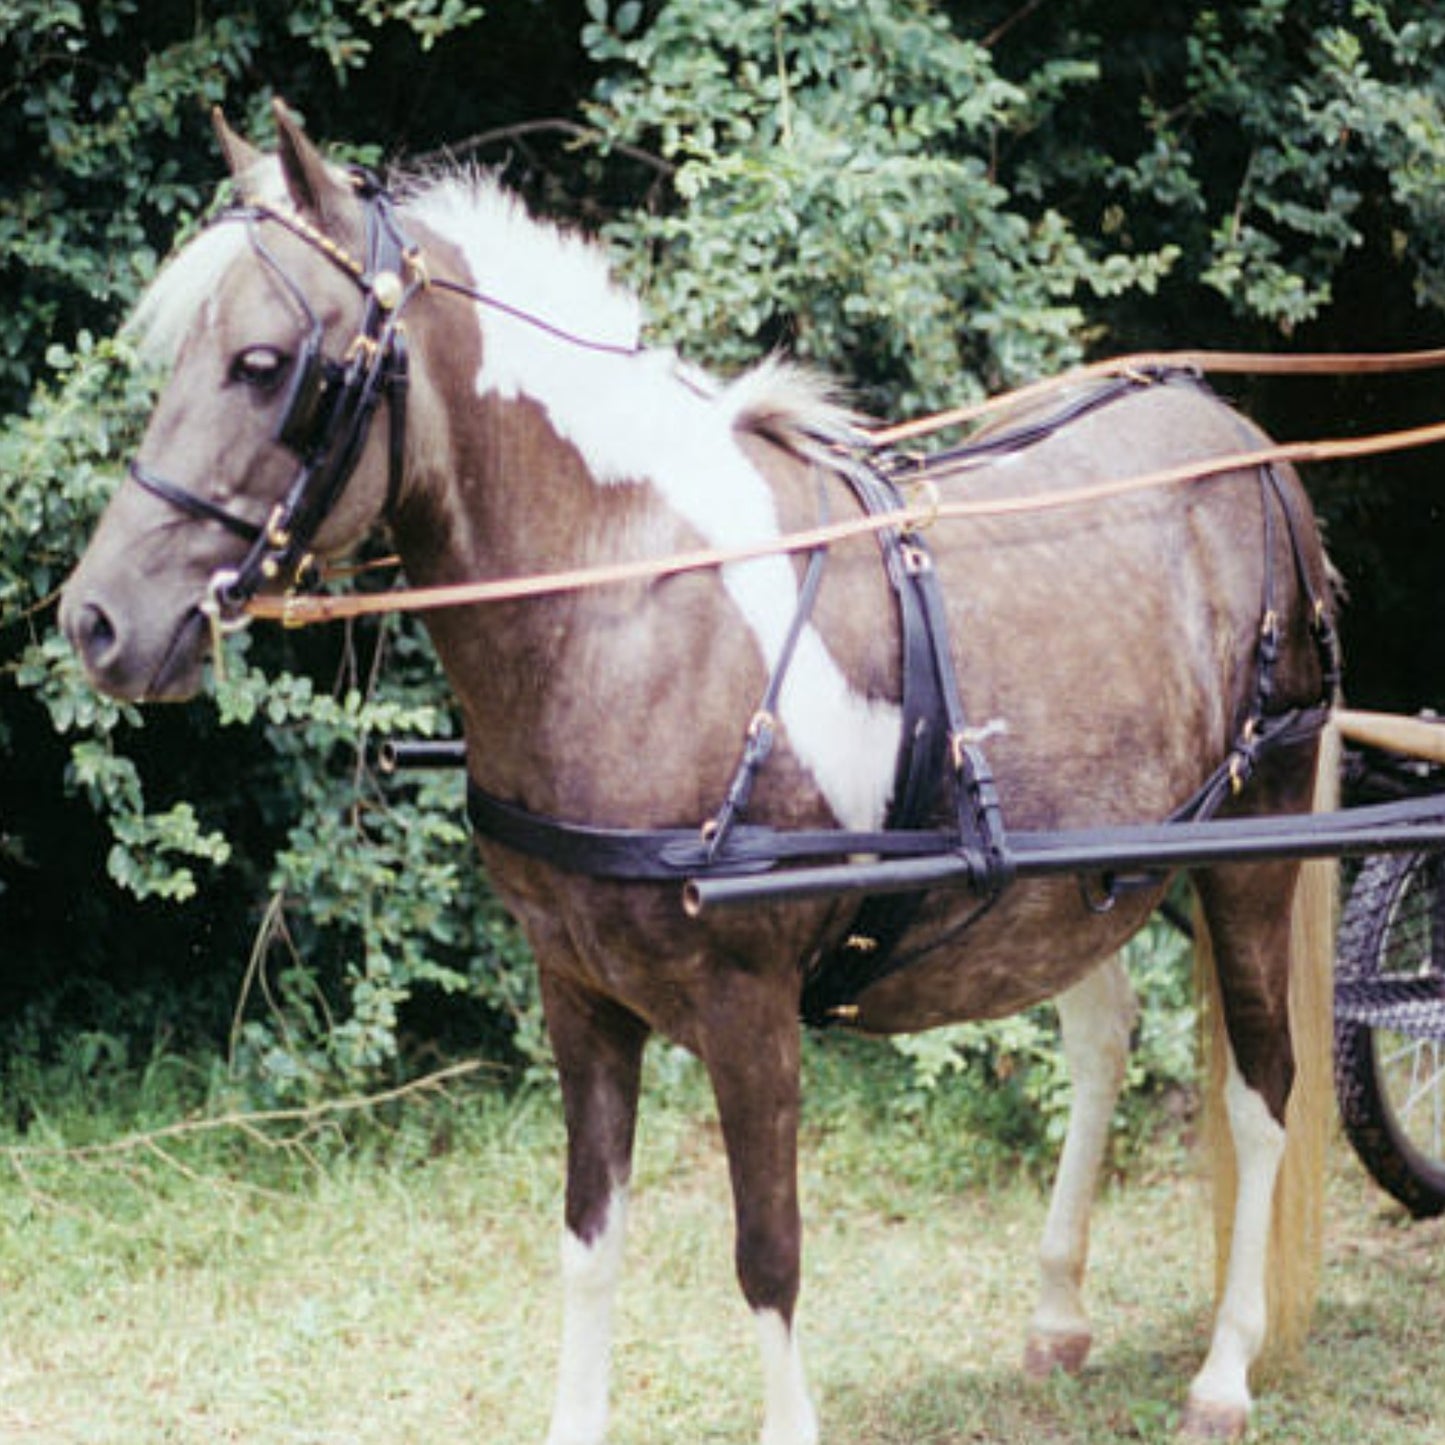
x=927, y=203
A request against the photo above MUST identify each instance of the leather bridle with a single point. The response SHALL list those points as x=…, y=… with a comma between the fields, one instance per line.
x=329, y=405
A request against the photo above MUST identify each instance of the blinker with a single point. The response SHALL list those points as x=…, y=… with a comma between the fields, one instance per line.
x=311, y=400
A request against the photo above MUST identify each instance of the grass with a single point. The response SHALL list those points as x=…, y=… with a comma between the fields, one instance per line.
x=399, y=1286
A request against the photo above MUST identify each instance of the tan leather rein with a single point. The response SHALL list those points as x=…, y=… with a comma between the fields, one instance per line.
x=300, y=610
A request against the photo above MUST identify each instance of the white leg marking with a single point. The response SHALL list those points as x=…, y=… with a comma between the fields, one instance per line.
x=1096, y=1016
x=590, y=1275
x=788, y=1415
x=1222, y=1385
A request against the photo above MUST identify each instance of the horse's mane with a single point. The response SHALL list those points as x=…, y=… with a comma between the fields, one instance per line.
x=530, y=266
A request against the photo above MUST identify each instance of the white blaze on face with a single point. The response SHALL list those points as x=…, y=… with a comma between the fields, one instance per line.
x=635, y=421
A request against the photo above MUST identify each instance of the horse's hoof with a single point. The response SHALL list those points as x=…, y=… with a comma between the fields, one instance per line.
x=1045, y=1352
x=1213, y=1422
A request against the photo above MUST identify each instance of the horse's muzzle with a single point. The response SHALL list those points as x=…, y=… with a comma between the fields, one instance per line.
x=120, y=665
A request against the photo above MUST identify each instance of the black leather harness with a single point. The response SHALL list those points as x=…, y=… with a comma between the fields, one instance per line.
x=941, y=765
x=941, y=770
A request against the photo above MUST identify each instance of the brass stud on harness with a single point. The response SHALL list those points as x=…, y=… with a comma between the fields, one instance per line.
x=388, y=289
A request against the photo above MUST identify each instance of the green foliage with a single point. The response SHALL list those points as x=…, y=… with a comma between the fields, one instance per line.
x=1316, y=151
x=104, y=150
x=838, y=191
x=1019, y=1094
x=377, y=878
x=927, y=200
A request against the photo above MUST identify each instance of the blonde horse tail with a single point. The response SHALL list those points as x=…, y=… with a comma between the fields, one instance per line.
x=1297, y=1226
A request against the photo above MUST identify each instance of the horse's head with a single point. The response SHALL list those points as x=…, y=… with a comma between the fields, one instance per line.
x=281, y=320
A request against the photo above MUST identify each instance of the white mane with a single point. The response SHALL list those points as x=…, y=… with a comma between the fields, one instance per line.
x=528, y=268
x=558, y=277
x=565, y=281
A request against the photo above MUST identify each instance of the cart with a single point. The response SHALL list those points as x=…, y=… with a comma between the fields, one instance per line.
x=1390, y=988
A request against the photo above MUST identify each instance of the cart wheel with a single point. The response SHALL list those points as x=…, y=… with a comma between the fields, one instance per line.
x=1390, y=1026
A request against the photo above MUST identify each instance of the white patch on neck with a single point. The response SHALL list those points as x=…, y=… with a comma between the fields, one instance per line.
x=635, y=419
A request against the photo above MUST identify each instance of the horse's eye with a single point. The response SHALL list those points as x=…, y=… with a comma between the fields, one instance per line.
x=261, y=367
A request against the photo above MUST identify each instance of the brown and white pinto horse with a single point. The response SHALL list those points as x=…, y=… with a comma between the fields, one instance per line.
x=1116, y=646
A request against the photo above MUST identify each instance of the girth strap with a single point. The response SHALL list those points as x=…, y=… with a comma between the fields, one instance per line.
x=935, y=752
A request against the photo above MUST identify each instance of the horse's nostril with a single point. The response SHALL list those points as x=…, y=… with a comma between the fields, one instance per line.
x=94, y=634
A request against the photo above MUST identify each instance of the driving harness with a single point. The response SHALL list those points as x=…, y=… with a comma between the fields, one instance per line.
x=941, y=766
x=944, y=800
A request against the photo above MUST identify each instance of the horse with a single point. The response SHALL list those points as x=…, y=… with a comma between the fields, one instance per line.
x=1113, y=655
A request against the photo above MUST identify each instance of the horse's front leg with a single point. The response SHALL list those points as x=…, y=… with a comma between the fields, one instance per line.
x=598, y=1048
x=1096, y=1016
x=752, y=1053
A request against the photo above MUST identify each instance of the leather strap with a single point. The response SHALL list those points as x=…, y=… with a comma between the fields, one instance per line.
x=193, y=504
x=303, y=611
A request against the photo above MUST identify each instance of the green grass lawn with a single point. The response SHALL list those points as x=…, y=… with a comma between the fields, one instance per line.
x=399, y=1286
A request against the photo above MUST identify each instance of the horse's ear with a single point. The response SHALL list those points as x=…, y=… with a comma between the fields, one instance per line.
x=241, y=156
x=316, y=189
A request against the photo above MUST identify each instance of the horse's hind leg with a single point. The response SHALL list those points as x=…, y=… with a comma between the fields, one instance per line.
x=1249, y=930
x=1096, y=1016
x=598, y=1047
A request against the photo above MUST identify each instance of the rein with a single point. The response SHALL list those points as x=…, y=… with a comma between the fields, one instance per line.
x=1219, y=363
x=327, y=413
x=303, y=610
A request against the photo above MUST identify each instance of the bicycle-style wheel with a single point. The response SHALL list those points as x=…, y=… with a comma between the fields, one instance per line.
x=1390, y=1026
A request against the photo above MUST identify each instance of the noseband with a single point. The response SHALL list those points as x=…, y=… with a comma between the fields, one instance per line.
x=329, y=404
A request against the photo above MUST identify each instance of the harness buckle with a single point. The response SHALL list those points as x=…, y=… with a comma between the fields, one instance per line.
x=278, y=535
x=926, y=490
x=363, y=347
x=960, y=742
x=916, y=560
x=415, y=262
x=220, y=605
x=219, y=609
x=1238, y=775
x=762, y=726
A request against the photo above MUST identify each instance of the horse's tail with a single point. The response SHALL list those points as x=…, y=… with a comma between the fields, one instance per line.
x=1297, y=1227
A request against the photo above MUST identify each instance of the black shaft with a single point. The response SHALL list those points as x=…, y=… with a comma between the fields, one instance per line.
x=1416, y=825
